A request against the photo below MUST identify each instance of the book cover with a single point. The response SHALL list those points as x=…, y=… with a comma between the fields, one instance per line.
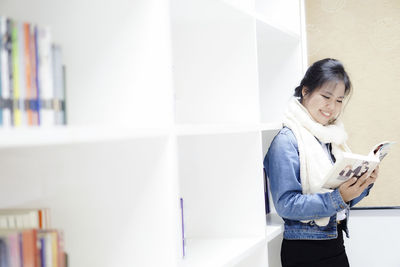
x=3, y=252
x=355, y=165
x=42, y=250
x=35, y=104
x=14, y=249
x=5, y=110
x=46, y=90
x=16, y=72
x=266, y=194
x=61, y=253
x=5, y=116
x=22, y=73
x=8, y=94
x=183, y=229
x=29, y=248
x=28, y=73
x=58, y=84
x=54, y=248
x=64, y=99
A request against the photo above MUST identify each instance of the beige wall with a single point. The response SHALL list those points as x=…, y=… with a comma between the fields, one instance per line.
x=365, y=36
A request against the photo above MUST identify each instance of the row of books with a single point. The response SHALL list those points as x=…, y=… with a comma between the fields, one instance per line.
x=31, y=247
x=24, y=218
x=32, y=76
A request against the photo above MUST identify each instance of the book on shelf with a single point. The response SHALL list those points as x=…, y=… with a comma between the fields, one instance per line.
x=183, y=230
x=28, y=242
x=266, y=194
x=59, y=85
x=355, y=165
x=32, y=76
x=6, y=75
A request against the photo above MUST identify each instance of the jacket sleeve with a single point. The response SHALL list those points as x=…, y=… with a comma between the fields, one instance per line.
x=282, y=166
x=363, y=194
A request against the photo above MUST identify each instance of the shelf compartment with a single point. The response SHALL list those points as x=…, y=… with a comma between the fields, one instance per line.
x=215, y=63
x=280, y=71
x=109, y=198
x=248, y=8
x=228, y=164
x=272, y=11
x=220, y=252
x=116, y=71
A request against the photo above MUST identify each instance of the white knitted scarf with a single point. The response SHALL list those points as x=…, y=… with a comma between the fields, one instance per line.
x=314, y=161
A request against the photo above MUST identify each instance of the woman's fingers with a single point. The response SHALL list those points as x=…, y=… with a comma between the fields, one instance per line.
x=350, y=182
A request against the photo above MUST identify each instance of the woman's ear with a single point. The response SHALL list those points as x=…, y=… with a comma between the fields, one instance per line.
x=304, y=91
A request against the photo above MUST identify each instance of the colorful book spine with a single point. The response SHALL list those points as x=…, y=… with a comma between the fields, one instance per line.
x=58, y=83
x=16, y=73
x=183, y=230
x=29, y=248
x=14, y=249
x=4, y=258
x=266, y=194
x=36, y=93
x=46, y=89
x=9, y=56
x=4, y=73
x=22, y=72
x=28, y=73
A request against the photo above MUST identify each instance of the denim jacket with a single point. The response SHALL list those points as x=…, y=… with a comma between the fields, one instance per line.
x=282, y=166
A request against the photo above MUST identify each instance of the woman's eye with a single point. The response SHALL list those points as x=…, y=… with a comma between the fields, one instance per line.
x=340, y=101
x=324, y=96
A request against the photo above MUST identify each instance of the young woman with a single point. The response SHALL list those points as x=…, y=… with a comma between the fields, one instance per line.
x=299, y=157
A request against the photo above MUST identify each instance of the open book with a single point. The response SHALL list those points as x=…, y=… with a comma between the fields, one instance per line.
x=355, y=165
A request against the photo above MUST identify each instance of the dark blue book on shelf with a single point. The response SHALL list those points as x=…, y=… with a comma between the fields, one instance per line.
x=3, y=253
x=266, y=194
x=42, y=252
x=183, y=229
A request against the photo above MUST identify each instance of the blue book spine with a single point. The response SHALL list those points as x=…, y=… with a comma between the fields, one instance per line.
x=4, y=255
x=183, y=230
x=266, y=194
x=21, y=252
x=42, y=252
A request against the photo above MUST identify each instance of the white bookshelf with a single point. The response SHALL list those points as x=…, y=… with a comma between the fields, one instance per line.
x=234, y=169
x=70, y=135
x=220, y=252
x=165, y=100
x=215, y=63
x=279, y=69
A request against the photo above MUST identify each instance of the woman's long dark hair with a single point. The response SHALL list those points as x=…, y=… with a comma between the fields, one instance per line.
x=321, y=72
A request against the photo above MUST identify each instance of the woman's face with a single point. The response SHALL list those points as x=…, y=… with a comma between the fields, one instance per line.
x=325, y=103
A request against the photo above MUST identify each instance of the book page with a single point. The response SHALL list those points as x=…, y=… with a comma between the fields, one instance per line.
x=352, y=165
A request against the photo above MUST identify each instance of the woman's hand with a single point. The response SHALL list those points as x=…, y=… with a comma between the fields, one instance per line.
x=354, y=187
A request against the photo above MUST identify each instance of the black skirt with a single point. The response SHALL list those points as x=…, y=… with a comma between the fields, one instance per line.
x=315, y=253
